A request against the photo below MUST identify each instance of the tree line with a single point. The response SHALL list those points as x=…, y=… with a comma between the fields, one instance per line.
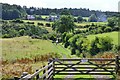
x=16, y=11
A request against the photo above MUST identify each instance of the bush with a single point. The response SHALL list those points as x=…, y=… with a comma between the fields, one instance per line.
x=16, y=30
x=116, y=48
x=40, y=24
x=44, y=37
x=18, y=21
x=52, y=36
x=73, y=51
x=30, y=22
x=48, y=25
x=92, y=18
x=78, y=31
x=116, y=28
x=108, y=29
x=77, y=52
x=100, y=44
x=66, y=44
x=6, y=36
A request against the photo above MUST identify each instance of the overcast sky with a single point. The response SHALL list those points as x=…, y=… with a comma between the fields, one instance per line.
x=104, y=5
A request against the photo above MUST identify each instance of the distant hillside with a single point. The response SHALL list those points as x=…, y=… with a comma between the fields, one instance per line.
x=16, y=11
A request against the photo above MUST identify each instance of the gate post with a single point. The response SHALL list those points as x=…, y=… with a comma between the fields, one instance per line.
x=116, y=63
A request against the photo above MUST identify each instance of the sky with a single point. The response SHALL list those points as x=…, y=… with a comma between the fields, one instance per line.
x=103, y=5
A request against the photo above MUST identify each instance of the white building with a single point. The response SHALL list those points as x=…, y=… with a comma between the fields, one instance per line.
x=30, y=17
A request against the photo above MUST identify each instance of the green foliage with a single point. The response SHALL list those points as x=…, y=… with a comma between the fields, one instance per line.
x=79, y=19
x=92, y=18
x=65, y=24
x=100, y=44
x=52, y=13
x=77, y=52
x=65, y=12
x=112, y=21
x=15, y=30
x=108, y=29
x=52, y=36
x=48, y=25
x=73, y=51
x=116, y=48
x=12, y=12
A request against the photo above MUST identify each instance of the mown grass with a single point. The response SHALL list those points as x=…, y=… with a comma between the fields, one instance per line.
x=113, y=35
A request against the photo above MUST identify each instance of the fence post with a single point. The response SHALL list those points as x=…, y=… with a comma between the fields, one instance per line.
x=53, y=68
x=44, y=73
x=117, y=63
x=37, y=76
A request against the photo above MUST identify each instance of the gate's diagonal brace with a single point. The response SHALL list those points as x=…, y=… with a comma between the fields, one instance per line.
x=101, y=67
x=71, y=66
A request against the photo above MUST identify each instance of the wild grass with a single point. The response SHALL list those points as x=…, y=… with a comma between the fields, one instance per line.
x=28, y=54
x=25, y=47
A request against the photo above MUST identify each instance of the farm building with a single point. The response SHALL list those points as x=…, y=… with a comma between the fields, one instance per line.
x=53, y=17
x=30, y=17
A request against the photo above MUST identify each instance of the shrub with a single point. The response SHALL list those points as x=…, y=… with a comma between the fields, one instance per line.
x=15, y=30
x=48, y=25
x=66, y=44
x=40, y=24
x=73, y=51
x=116, y=28
x=108, y=29
x=92, y=18
x=77, y=52
x=30, y=22
x=18, y=21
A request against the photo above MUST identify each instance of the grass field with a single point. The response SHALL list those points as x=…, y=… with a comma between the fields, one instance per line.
x=20, y=47
x=113, y=35
x=44, y=16
x=89, y=23
x=37, y=21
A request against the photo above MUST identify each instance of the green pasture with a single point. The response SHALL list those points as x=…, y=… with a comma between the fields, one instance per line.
x=113, y=35
x=44, y=16
x=37, y=21
x=89, y=23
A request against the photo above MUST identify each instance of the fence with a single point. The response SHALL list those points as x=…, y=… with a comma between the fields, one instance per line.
x=87, y=66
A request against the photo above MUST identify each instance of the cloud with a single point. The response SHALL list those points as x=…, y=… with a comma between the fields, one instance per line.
x=29, y=3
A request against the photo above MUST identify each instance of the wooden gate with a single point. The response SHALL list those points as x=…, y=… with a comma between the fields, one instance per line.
x=87, y=66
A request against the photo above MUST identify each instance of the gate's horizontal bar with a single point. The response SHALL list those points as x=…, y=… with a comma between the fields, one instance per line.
x=85, y=64
x=84, y=71
x=84, y=67
x=83, y=74
x=90, y=59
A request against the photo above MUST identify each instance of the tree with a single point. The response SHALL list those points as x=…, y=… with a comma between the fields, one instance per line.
x=92, y=18
x=112, y=22
x=65, y=12
x=79, y=19
x=65, y=24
